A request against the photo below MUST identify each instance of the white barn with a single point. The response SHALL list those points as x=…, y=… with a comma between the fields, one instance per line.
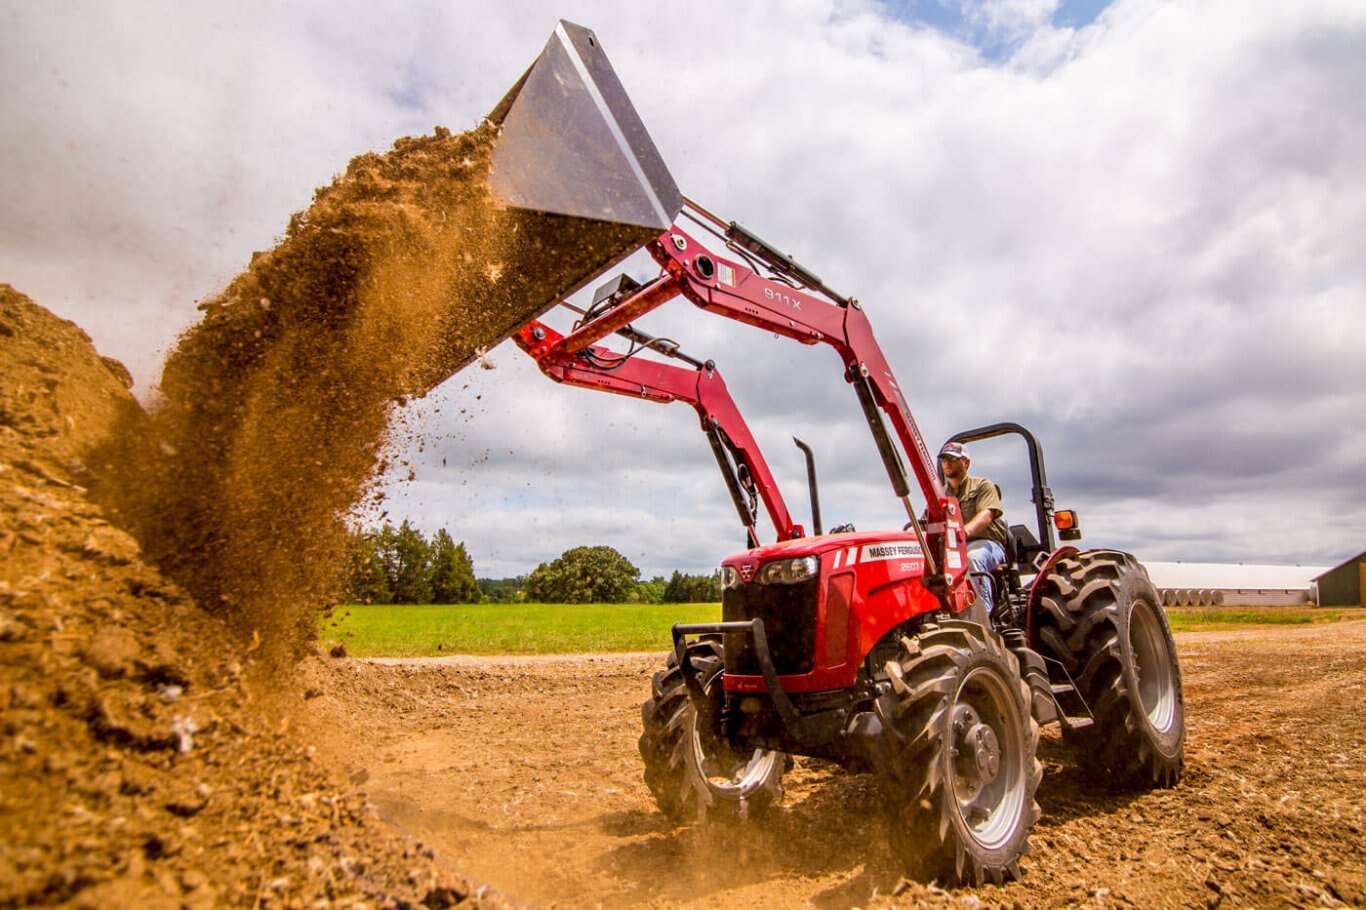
x=1211, y=584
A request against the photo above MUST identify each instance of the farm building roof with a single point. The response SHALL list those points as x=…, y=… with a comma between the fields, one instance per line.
x=1233, y=577
x=1346, y=562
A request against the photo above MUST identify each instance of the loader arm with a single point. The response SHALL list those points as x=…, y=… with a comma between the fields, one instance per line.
x=742, y=464
x=792, y=302
x=575, y=161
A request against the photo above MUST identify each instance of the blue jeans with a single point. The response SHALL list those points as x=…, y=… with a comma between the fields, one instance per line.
x=983, y=556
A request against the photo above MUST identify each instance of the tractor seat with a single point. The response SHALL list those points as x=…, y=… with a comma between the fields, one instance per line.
x=1021, y=547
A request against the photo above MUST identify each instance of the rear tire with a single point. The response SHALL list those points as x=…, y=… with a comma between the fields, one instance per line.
x=1102, y=619
x=960, y=771
x=695, y=773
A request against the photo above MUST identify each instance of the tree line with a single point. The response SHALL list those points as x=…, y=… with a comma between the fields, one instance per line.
x=602, y=575
x=399, y=565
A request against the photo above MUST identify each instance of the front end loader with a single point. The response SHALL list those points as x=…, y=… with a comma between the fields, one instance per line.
x=868, y=648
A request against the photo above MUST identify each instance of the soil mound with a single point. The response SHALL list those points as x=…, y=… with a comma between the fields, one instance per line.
x=139, y=766
x=60, y=400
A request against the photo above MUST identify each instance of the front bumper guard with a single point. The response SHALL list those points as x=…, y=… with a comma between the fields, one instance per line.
x=808, y=730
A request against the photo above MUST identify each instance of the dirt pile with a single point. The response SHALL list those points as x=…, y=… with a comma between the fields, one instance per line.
x=138, y=766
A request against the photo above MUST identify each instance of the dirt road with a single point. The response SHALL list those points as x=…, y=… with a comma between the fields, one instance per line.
x=525, y=775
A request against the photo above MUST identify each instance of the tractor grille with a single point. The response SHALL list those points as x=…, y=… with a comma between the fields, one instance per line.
x=789, y=615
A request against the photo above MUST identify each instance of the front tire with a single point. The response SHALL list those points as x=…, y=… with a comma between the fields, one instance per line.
x=1103, y=620
x=960, y=770
x=694, y=772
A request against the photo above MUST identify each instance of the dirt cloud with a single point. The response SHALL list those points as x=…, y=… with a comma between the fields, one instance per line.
x=275, y=406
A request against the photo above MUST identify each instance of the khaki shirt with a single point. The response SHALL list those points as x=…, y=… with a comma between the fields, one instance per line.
x=977, y=494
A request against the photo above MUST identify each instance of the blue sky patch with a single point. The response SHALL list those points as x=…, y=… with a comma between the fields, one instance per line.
x=947, y=16
x=410, y=91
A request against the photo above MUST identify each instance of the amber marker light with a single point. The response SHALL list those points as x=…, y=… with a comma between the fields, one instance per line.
x=1068, y=524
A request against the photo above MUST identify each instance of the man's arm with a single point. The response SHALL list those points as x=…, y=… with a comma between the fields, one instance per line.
x=981, y=521
x=988, y=504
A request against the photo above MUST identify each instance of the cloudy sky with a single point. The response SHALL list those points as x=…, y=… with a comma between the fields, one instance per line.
x=1137, y=227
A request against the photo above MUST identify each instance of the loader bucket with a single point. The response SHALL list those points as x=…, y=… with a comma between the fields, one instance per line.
x=575, y=162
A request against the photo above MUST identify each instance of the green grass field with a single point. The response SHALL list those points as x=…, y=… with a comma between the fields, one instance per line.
x=433, y=631
x=1209, y=619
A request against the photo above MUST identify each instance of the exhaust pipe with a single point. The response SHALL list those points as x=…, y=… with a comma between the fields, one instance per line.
x=811, y=485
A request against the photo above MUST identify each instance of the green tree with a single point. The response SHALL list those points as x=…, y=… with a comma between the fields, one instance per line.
x=367, y=581
x=412, y=579
x=583, y=575
x=386, y=552
x=503, y=590
x=674, y=590
x=452, y=572
x=692, y=589
x=650, y=592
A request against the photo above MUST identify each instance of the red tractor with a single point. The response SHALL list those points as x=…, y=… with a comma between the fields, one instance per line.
x=866, y=648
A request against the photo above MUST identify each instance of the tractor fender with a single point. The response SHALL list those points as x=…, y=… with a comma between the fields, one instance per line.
x=1036, y=587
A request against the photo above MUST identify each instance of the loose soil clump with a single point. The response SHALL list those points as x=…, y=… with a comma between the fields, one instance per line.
x=163, y=570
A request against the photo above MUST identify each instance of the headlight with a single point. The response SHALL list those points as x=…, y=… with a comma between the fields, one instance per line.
x=729, y=577
x=788, y=571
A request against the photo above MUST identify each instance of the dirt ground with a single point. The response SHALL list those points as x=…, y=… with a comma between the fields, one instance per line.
x=524, y=773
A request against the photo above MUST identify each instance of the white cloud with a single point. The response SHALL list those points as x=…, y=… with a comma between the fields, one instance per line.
x=1009, y=20
x=1141, y=238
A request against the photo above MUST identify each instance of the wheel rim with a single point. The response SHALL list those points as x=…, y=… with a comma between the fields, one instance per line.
x=988, y=758
x=1152, y=661
x=727, y=772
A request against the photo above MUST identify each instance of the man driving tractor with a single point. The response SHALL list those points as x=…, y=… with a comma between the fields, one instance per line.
x=983, y=518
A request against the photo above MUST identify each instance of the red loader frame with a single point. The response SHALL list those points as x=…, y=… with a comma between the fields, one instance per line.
x=742, y=464
x=873, y=580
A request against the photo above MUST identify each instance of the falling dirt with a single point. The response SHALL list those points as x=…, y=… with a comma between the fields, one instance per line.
x=275, y=405
x=525, y=773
